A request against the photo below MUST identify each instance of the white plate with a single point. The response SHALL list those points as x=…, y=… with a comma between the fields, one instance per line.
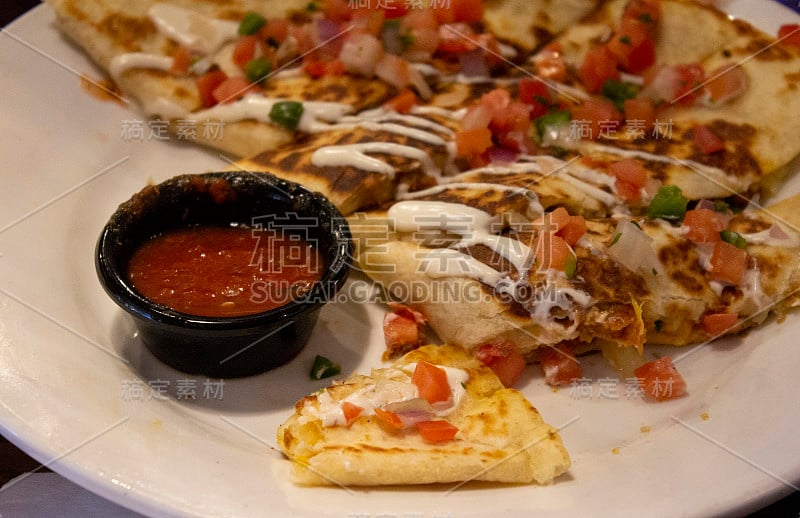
x=79, y=394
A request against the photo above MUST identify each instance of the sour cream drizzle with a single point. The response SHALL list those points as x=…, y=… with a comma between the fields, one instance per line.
x=355, y=155
x=315, y=116
x=535, y=208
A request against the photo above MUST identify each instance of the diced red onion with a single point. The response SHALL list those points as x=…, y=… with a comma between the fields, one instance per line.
x=473, y=63
x=502, y=155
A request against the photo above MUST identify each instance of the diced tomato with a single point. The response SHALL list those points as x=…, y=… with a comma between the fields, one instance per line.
x=431, y=381
x=207, y=83
x=402, y=102
x=437, y=431
x=704, y=225
x=789, y=34
x=573, y=230
x=517, y=141
x=645, y=11
x=276, y=30
x=245, y=49
x=552, y=251
x=690, y=79
x=337, y=10
x=728, y=262
x=351, y=412
x=504, y=360
x=599, y=115
x=455, y=38
x=334, y=67
x=553, y=221
x=473, y=142
x=514, y=117
x=598, y=66
x=181, y=60
x=400, y=330
x=726, y=83
x=660, y=379
x=389, y=418
x=314, y=68
x=392, y=10
x=716, y=324
x=632, y=46
x=631, y=177
x=232, y=89
x=549, y=63
x=535, y=94
x=423, y=29
x=559, y=365
x=706, y=140
x=467, y=11
x=640, y=112
x=629, y=170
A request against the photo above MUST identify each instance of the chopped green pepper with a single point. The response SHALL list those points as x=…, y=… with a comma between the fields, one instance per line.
x=553, y=118
x=733, y=238
x=257, y=69
x=286, y=113
x=619, y=92
x=570, y=266
x=324, y=368
x=251, y=23
x=312, y=7
x=668, y=203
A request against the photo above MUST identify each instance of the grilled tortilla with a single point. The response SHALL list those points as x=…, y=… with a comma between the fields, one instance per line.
x=109, y=29
x=440, y=260
x=500, y=438
x=369, y=157
x=757, y=127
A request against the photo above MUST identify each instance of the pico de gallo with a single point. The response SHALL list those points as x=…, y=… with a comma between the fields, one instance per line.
x=335, y=37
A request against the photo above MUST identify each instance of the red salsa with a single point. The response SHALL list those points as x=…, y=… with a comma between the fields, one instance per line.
x=218, y=271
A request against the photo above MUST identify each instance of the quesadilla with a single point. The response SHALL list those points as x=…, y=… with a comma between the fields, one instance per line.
x=390, y=427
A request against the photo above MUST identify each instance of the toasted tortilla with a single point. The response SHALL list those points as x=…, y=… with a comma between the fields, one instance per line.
x=757, y=127
x=501, y=437
x=109, y=28
x=529, y=24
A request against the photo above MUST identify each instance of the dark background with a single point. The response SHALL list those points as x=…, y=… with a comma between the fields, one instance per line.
x=13, y=462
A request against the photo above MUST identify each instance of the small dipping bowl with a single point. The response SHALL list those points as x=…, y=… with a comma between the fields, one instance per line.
x=228, y=346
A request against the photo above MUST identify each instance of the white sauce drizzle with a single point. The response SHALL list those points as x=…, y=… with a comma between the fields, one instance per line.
x=455, y=115
x=255, y=106
x=355, y=155
x=124, y=62
x=474, y=228
x=535, y=208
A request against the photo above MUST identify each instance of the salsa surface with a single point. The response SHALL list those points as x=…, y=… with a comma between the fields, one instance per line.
x=218, y=271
